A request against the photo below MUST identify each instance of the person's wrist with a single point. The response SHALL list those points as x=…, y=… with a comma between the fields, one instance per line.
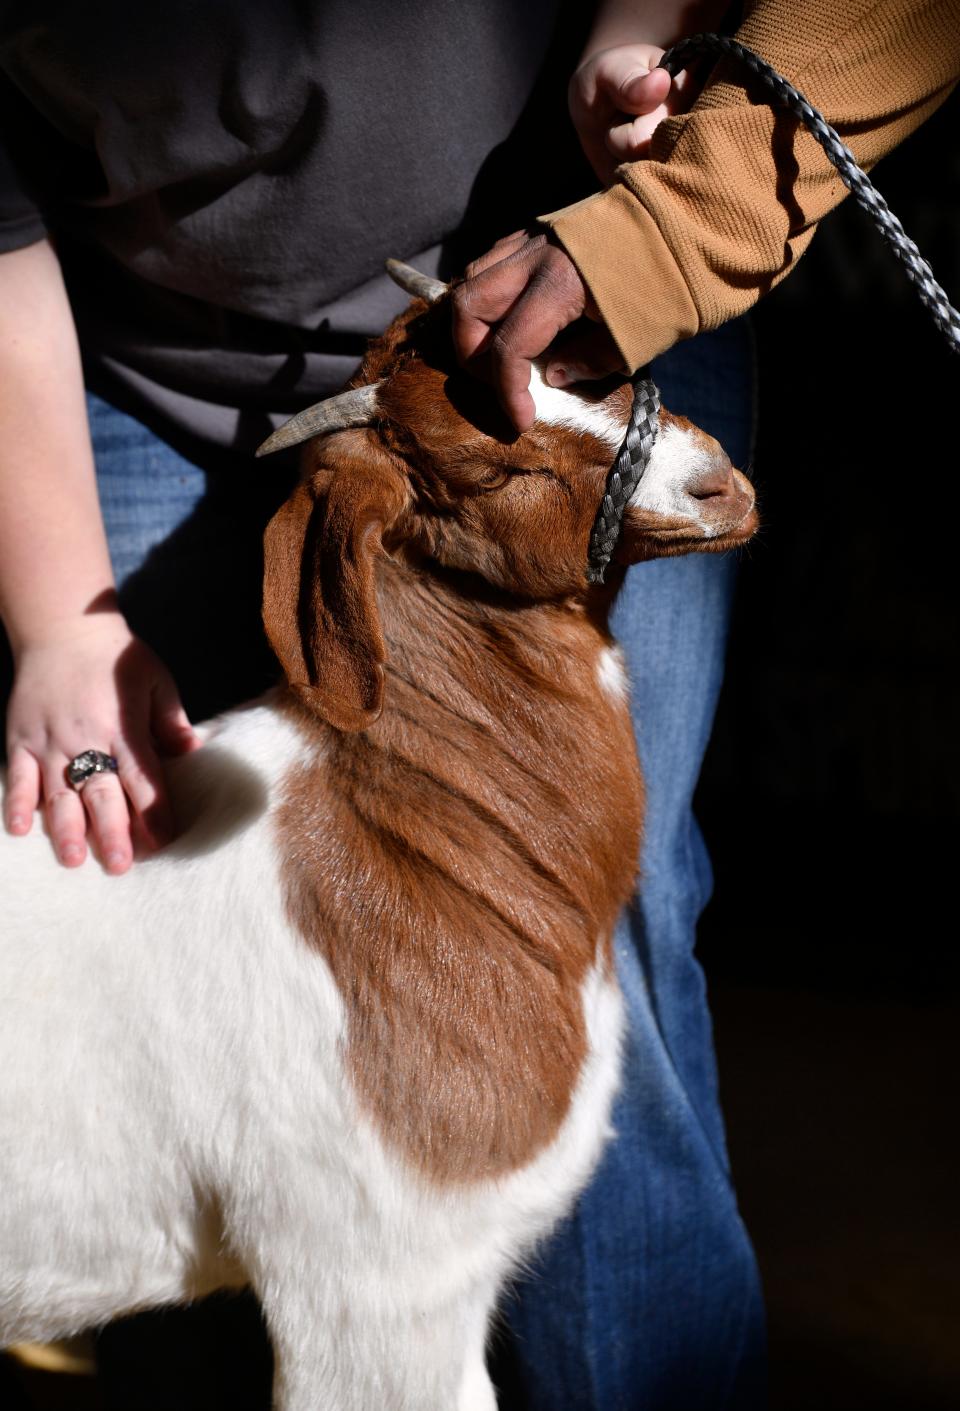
x=594, y=50
x=68, y=629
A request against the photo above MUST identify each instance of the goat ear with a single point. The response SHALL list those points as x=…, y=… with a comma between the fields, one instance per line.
x=319, y=600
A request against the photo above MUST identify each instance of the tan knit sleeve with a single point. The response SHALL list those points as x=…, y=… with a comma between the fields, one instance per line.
x=733, y=190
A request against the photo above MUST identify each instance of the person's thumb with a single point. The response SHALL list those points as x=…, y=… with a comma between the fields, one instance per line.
x=585, y=356
x=630, y=86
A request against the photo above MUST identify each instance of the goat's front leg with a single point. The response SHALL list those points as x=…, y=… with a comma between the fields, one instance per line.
x=476, y=1390
x=376, y=1344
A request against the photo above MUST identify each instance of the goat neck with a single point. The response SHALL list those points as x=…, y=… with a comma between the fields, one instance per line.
x=461, y=863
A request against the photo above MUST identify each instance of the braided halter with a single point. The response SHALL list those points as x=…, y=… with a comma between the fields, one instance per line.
x=625, y=475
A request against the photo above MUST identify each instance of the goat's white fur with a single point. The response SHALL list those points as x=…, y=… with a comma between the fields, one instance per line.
x=175, y=1115
x=679, y=455
x=612, y=673
x=559, y=407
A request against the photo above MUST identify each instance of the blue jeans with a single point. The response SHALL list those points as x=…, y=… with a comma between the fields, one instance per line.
x=185, y=530
x=647, y=1297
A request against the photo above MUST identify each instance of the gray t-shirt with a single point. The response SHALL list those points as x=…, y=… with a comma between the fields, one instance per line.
x=224, y=179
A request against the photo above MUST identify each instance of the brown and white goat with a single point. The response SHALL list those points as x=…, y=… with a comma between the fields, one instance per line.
x=353, y=1038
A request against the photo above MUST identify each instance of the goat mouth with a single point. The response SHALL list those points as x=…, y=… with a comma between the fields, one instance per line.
x=739, y=533
x=683, y=536
x=737, y=526
x=725, y=537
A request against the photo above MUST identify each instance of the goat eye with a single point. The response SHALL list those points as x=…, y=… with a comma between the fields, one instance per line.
x=548, y=473
x=493, y=480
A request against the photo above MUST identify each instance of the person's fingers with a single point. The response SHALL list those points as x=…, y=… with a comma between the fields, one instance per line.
x=499, y=251
x=105, y=802
x=479, y=303
x=548, y=304
x=142, y=779
x=513, y=310
x=593, y=112
x=630, y=140
x=169, y=722
x=66, y=821
x=615, y=88
x=583, y=357
x=23, y=790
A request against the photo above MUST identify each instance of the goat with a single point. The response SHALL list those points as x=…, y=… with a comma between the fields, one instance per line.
x=353, y=1038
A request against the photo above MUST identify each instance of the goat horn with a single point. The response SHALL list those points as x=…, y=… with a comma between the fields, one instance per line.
x=422, y=286
x=358, y=407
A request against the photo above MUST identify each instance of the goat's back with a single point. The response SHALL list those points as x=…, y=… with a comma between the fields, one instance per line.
x=174, y=1097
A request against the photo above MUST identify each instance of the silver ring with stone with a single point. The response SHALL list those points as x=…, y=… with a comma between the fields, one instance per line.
x=85, y=765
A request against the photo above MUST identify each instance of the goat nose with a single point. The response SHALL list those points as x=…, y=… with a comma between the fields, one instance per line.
x=714, y=474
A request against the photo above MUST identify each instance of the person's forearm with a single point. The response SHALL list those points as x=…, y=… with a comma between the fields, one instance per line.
x=660, y=22
x=54, y=562
x=731, y=195
x=82, y=681
x=525, y=288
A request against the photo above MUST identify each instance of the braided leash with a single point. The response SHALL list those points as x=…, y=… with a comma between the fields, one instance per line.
x=634, y=454
x=857, y=182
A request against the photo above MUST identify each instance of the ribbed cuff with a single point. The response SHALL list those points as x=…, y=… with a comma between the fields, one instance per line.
x=630, y=271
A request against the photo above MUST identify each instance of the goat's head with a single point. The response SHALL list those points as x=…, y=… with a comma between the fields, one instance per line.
x=416, y=460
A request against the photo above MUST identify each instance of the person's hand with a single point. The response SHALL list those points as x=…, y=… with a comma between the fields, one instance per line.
x=90, y=684
x=511, y=306
x=518, y=299
x=617, y=98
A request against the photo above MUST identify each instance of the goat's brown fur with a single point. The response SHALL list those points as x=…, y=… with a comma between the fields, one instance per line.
x=470, y=829
x=459, y=863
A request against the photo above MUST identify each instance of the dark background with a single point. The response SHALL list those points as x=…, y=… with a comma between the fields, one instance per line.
x=830, y=800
